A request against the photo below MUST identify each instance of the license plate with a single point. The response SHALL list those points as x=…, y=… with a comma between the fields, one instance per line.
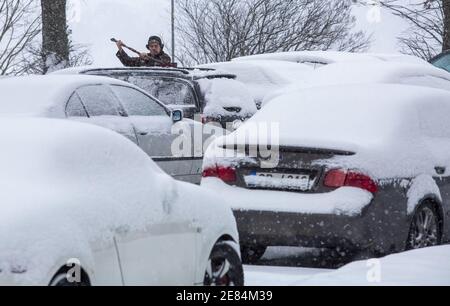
x=287, y=181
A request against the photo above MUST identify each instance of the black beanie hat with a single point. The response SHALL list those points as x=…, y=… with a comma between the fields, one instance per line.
x=157, y=39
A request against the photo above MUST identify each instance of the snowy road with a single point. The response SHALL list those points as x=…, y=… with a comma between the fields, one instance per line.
x=278, y=276
x=283, y=266
x=295, y=266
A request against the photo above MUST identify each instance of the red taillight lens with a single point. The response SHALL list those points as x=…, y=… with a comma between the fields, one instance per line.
x=361, y=181
x=340, y=178
x=226, y=174
x=335, y=178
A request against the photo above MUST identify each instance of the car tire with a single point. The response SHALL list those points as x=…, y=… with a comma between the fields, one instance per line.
x=252, y=254
x=224, y=266
x=60, y=280
x=425, y=229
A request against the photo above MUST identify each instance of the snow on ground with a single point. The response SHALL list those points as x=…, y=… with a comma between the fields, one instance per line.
x=277, y=276
x=425, y=267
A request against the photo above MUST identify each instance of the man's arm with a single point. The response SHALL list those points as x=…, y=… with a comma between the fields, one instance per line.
x=166, y=59
x=125, y=59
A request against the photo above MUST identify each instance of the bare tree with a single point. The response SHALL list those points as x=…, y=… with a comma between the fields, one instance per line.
x=55, y=50
x=19, y=26
x=220, y=30
x=55, y=36
x=34, y=61
x=429, y=31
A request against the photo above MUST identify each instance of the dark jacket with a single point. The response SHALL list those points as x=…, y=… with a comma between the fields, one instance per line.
x=162, y=60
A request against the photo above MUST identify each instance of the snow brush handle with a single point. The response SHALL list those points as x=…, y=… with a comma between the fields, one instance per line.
x=125, y=46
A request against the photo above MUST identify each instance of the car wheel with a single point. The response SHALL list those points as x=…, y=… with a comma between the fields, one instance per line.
x=224, y=266
x=60, y=280
x=425, y=228
x=252, y=254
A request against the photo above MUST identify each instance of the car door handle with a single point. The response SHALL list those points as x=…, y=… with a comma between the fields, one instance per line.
x=143, y=133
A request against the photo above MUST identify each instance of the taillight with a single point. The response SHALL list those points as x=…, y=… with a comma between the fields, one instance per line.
x=340, y=178
x=226, y=174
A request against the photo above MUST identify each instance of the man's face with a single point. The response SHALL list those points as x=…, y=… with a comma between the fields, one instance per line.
x=154, y=48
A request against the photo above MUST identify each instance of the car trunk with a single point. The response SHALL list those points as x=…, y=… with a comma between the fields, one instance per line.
x=298, y=170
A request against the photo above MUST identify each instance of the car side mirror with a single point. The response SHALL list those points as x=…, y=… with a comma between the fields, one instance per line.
x=177, y=115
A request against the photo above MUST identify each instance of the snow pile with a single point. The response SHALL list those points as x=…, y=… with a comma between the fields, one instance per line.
x=424, y=267
x=401, y=132
x=345, y=201
x=221, y=93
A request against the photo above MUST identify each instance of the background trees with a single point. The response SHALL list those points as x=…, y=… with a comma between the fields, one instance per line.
x=219, y=30
x=19, y=27
x=429, y=26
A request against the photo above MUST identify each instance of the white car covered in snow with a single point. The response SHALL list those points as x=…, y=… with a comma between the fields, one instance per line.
x=82, y=205
x=110, y=103
x=354, y=168
x=211, y=95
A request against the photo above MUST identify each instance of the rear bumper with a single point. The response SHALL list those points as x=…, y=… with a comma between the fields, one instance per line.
x=274, y=218
x=270, y=228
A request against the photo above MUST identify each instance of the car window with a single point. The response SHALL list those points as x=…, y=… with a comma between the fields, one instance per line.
x=99, y=100
x=138, y=104
x=75, y=108
x=168, y=90
x=443, y=62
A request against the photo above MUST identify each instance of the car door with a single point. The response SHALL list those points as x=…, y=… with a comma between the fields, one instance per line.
x=164, y=253
x=102, y=108
x=153, y=125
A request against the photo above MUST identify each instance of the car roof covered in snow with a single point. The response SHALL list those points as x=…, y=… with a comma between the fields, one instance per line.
x=424, y=75
x=44, y=95
x=354, y=72
x=183, y=72
x=329, y=57
x=263, y=72
x=262, y=77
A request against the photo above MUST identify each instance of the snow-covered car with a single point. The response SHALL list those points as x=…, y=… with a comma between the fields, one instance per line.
x=213, y=96
x=109, y=103
x=82, y=205
x=318, y=59
x=369, y=72
x=263, y=77
x=356, y=168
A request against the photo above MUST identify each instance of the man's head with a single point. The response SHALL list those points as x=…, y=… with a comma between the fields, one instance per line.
x=155, y=45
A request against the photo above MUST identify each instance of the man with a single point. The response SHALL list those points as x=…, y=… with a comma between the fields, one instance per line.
x=156, y=57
